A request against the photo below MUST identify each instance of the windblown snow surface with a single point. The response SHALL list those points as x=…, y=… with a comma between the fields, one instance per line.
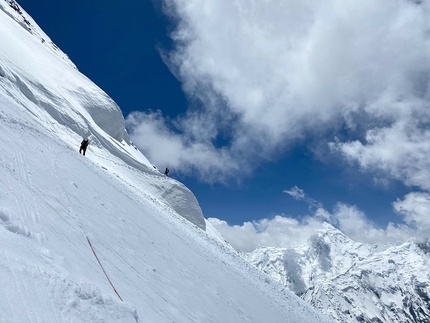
x=146, y=229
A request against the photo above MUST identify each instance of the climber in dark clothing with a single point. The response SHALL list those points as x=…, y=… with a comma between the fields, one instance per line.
x=84, y=145
x=166, y=172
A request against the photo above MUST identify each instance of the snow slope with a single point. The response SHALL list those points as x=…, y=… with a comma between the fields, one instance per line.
x=62, y=213
x=42, y=80
x=351, y=281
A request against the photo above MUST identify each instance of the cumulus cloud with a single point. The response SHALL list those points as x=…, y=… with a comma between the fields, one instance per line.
x=165, y=147
x=288, y=232
x=355, y=225
x=265, y=73
x=400, y=150
x=281, y=231
x=285, y=231
x=415, y=208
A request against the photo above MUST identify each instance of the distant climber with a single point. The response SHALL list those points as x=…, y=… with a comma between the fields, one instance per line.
x=166, y=172
x=84, y=145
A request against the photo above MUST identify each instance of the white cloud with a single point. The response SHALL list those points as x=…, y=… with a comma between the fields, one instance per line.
x=415, y=208
x=266, y=73
x=400, y=150
x=166, y=148
x=299, y=195
x=355, y=225
x=280, y=231
x=285, y=231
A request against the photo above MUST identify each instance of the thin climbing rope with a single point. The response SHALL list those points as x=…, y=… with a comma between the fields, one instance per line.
x=94, y=252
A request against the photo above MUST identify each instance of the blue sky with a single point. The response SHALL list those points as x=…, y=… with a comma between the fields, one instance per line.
x=255, y=99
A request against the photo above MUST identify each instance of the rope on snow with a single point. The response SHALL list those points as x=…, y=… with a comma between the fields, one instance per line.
x=94, y=252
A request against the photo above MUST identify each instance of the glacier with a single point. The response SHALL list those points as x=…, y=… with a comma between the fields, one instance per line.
x=105, y=237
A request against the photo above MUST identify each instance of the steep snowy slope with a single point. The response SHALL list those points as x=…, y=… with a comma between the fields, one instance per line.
x=43, y=80
x=63, y=215
x=351, y=281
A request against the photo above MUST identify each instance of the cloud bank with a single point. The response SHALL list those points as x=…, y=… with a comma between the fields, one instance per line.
x=263, y=74
x=288, y=232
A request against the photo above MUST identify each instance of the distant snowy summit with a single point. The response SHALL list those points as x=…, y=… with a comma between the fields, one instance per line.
x=351, y=281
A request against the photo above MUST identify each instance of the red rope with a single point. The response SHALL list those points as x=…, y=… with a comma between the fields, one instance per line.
x=94, y=252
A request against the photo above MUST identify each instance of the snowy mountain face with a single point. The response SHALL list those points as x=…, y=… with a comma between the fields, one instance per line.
x=103, y=237
x=48, y=86
x=354, y=282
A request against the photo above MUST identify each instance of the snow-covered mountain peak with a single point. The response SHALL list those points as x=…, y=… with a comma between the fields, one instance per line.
x=351, y=281
x=326, y=254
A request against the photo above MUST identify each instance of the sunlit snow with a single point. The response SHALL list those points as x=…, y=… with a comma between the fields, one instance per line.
x=147, y=230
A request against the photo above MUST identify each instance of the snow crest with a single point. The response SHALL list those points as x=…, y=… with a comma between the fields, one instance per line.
x=351, y=281
x=51, y=86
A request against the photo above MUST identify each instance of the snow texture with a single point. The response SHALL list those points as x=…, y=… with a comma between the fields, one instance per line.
x=146, y=230
x=354, y=282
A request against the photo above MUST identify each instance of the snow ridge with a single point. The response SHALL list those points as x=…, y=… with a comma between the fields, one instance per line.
x=17, y=13
x=351, y=281
x=51, y=86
